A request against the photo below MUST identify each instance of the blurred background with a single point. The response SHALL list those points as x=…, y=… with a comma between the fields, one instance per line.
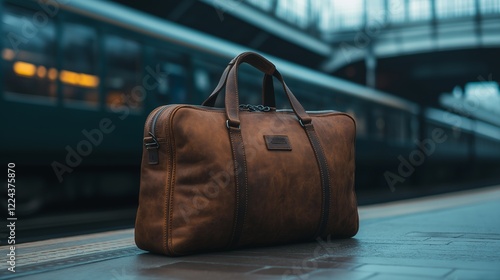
x=78, y=79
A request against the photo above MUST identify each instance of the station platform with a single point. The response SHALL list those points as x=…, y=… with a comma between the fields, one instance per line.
x=451, y=236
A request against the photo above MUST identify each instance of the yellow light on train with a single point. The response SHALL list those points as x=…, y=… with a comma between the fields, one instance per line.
x=52, y=75
x=26, y=69
x=41, y=71
x=8, y=54
x=79, y=79
x=69, y=77
x=87, y=80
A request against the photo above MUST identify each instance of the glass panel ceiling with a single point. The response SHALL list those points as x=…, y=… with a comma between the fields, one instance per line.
x=326, y=16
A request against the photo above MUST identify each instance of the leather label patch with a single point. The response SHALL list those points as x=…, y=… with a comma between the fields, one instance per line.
x=278, y=142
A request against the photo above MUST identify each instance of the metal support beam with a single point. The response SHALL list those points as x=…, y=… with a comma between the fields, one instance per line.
x=434, y=20
x=365, y=13
x=407, y=10
x=478, y=21
x=371, y=66
x=259, y=19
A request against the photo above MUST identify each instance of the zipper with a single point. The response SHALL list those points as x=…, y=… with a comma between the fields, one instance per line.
x=153, y=146
x=254, y=108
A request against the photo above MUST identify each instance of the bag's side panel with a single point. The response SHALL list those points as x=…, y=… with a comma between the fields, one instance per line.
x=337, y=134
x=284, y=186
x=151, y=219
x=203, y=193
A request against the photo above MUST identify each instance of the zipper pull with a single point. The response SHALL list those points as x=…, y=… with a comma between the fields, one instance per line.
x=152, y=148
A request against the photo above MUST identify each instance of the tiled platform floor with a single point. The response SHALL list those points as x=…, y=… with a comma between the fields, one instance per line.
x=453, y=236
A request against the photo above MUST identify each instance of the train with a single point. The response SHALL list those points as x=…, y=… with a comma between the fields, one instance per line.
x=80, y=78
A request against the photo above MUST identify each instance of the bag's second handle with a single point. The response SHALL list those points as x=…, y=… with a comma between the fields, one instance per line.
x=267, y=90
x=264, y=65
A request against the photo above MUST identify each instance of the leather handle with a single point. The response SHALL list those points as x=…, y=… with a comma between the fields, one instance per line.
x=268, y=98
x=256, y=60
x=232, y=99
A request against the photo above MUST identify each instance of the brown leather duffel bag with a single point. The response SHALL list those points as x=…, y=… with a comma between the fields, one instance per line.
x=239, y=176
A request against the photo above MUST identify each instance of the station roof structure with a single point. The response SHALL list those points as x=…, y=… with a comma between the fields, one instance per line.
x=243, y=22
x=418, y=49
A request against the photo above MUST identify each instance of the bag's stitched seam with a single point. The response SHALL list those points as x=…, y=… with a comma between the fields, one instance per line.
x=155, y=129
x=164, y=228
x=235, y=162
x=246, y=183
x=328, y=177
x=147, y=129
x=354, y=144
x=321, y=174
x=354, y=156
x=170, y=191
x=172, y=181
x=165, y=211
x=242, y=222
x=236, y=93
x=235, y=78
x=150, y=118
x=315, y=142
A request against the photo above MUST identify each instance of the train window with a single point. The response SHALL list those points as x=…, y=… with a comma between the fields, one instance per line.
x=29, y=56
x=171, y=80
x=173, y=85
x=375, y=12
x=396, y=10
x=206, y=76
x=336, y=101
x=396, y=126
x=124, y=73
x=202, y=80
x=420, y=10
x=359, y=114
x=378, y=123
x=78, y=74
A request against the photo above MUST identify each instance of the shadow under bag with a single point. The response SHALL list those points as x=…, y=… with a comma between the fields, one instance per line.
x=223, y=178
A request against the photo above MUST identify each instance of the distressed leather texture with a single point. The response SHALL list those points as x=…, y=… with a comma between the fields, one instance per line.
x=217, y=185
